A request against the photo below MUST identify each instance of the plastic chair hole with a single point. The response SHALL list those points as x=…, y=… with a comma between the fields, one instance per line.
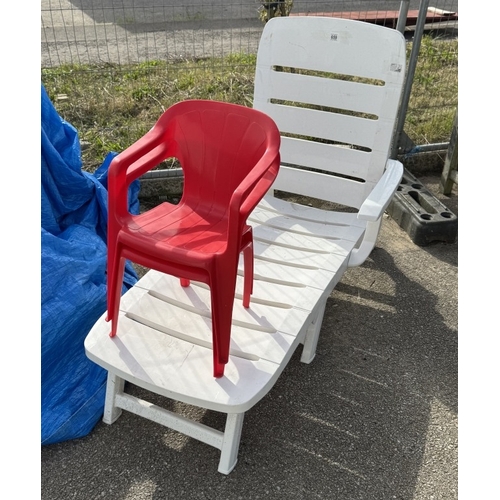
x=416, y=186
x=446, y=215
x=425, y=216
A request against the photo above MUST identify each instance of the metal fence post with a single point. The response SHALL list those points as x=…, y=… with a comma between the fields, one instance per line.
x=449, y=175
x=419, y=29
x=403, y=14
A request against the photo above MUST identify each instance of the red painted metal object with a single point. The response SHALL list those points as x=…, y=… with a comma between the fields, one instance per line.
x=388, y=18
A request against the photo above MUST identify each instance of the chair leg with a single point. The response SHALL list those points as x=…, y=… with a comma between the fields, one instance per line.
x=110, y=278
x=248, y=265
x=115, y=292
x=248, y=276
x=222, y=287
x=111, y=265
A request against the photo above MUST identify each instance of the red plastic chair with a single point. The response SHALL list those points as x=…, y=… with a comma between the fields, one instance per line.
x=230, y=157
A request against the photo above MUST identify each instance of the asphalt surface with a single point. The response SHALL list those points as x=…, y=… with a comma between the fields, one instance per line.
x=374, y=416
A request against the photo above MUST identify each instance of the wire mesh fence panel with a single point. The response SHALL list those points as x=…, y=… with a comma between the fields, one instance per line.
x=112, y=67
x=132, y=31
x=434, y=91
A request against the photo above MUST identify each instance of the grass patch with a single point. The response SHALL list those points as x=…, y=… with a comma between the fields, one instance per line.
x=434, y=96
x=112, y=106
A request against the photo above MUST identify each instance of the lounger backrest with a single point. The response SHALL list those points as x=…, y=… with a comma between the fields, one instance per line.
x=333, y=87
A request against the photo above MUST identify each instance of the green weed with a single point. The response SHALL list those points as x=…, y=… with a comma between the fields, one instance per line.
x=112, y=106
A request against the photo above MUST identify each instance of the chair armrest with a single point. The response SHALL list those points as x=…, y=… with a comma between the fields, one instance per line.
x=130, y=164
x=380, y=197
x=253, y=188
x=140, y=157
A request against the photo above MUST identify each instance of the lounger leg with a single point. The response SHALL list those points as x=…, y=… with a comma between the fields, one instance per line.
x=231, y=442
x=114, y=386
x=312, y=335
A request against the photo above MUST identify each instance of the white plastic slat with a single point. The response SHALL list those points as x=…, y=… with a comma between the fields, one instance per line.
x=325, y=125
x=326, y=43
x=301, y=278
x=326, y=91
x=305, y=227
x=320, y=186
x=278, y=293
x=309, y=213
x=277, y=236
x=294, y=258
x=328, y=157
x=334, y=158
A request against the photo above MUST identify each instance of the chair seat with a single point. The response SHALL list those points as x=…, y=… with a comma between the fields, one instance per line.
x=176, y=229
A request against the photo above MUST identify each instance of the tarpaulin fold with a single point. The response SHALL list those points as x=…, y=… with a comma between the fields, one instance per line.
x=73, y=278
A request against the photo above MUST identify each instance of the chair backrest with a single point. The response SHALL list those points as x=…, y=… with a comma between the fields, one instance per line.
x=333, y=87
x=217, y=144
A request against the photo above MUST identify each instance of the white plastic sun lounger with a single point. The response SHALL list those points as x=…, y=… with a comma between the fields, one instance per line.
x=336, y=134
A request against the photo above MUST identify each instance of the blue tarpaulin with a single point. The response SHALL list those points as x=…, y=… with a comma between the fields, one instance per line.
x=73, y=278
